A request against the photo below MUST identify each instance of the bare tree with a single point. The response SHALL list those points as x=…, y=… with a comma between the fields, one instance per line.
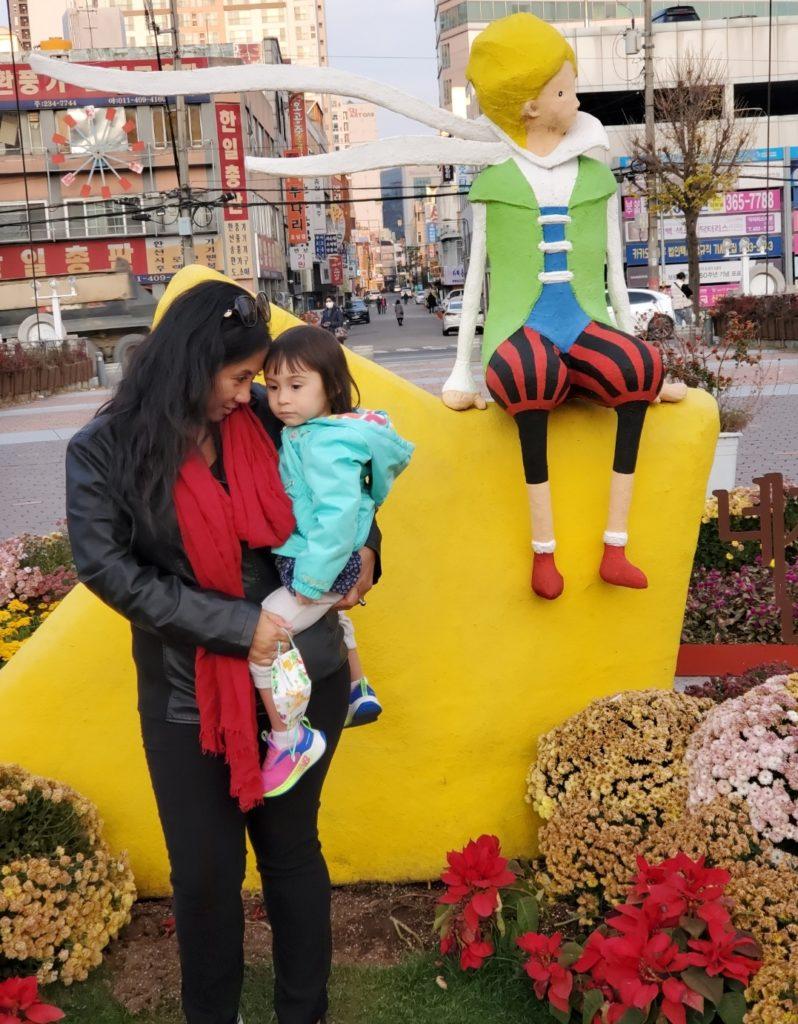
x=698, y=142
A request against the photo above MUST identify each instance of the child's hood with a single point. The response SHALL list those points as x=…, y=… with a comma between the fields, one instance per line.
x=372, y=430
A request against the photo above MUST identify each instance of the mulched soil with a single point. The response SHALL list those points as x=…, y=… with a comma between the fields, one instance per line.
x=372, y=924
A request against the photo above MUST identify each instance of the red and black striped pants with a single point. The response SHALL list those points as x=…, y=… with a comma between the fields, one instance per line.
x=528, y=376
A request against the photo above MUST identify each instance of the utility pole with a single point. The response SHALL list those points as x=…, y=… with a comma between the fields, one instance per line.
x=184, y=221
x=648, y=86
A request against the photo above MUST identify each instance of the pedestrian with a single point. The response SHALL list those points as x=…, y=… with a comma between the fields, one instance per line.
x=399, y=310
x=326, y=444
x=681, y=295
x=174, y=502
x=431, y=301
x=333, y=316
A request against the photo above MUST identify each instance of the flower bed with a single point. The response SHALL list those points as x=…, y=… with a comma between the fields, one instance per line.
x=35, y=573
x=731, y=620
x=670, y=833
x=25, y=372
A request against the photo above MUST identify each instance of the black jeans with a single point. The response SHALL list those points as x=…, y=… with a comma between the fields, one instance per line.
x=205, y=837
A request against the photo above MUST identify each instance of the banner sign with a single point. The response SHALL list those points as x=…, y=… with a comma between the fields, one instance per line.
x=320, y=246
x=709, y=249
x=299, y=257
x=758, y=200
x=296, y=218
x=711, y=227
x=238, y=250
x=38, y=92
x=336, y=270
x=231, y=158
x=150, y=259
x=298, y=123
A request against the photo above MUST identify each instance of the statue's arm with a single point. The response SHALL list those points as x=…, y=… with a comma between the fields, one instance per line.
x=616, y=283
x=460, y=390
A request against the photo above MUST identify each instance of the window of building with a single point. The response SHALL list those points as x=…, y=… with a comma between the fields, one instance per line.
x=446, y=59
x=12, y=140
x=96, y=218
x=751, y=98
x=122, y=130
x=14, y=222
x=447, y=92
x=160, y=133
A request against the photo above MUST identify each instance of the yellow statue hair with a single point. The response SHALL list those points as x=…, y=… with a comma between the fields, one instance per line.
x=511, y=60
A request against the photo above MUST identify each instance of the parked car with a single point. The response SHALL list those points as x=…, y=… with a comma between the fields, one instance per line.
x=451, y=317
x=646, y=304
x=420, y=298
x=681, y=12
x=357, y=312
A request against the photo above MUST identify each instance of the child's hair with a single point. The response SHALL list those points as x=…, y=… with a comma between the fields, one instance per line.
x=511, y=60
x=313, y=348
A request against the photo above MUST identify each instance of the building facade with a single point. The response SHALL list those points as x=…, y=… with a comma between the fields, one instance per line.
x=120, y=212
x=33, y=21
x=91, y=28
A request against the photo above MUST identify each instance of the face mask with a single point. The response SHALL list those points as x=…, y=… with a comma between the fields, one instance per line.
x=328, y=304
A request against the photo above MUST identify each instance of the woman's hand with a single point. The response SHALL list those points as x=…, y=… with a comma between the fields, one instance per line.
x=270, y=631
x=365, y=581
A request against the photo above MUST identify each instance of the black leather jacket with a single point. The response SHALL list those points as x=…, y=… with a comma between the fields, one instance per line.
x=140, y=569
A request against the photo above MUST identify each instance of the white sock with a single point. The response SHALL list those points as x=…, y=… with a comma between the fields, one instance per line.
x=284, y=739
x=544, y=547
x=616, y=540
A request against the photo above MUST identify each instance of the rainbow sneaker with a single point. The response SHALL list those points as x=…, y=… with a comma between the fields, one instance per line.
x=364, y=707
x=283, y=768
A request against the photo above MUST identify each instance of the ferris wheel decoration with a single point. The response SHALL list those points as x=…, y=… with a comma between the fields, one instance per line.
x=99, y=139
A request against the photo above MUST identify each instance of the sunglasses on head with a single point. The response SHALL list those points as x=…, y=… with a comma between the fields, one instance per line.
x=249, y=310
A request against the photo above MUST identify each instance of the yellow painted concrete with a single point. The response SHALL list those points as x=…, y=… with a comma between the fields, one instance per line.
x=471, y=668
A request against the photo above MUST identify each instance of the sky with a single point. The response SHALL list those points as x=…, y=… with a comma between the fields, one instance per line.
x=392, y=41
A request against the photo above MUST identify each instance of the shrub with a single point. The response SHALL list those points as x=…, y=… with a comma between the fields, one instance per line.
x=746, y=748
x=713, y=553
x=63, y=896
x=36, y=568
x=720, y=688
x=18, y=622
x=734, y=608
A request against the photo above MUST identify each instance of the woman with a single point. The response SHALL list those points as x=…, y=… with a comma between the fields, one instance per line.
x=399, y=312
x=178, y=467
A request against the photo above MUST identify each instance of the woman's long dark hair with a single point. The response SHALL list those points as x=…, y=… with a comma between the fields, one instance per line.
x=162, y=401
x=316, y=349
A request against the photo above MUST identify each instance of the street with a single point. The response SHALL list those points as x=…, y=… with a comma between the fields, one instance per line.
x=34, y=436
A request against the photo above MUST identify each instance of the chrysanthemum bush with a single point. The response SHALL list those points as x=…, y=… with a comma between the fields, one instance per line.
x=748, y=748
x=35, y=573
x=731, y=597
x=63, y=895
x=726, y=791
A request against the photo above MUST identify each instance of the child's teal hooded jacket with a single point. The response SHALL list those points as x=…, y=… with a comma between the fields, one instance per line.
x=337, y=471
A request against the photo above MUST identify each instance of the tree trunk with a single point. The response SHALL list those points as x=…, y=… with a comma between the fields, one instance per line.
x=693, y=269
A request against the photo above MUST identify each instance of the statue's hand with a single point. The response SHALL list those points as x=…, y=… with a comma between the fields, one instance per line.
x=461, y=400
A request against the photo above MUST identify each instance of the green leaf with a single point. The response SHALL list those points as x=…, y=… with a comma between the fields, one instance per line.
x=561, y=1015
x=527, y=914
x=694, y=926
x=592, y=1001
x=699, y=981
x=443, y=914
x=633, y=1016
x=731, y=1008
x=570, y=953
x=500, y=922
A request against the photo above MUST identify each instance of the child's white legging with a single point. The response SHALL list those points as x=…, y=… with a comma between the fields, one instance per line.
x=299, y=616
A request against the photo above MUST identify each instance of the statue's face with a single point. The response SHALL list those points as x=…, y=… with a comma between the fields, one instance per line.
x=556, y=105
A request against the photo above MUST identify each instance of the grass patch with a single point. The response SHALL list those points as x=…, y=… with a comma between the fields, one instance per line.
x=404, y=994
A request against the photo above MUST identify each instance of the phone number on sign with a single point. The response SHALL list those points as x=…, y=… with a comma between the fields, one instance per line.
x=748, y=202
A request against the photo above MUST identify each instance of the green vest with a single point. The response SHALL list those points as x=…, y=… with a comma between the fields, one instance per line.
x=514, y=234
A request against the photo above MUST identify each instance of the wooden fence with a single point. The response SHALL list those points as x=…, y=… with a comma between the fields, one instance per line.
x=37, y=379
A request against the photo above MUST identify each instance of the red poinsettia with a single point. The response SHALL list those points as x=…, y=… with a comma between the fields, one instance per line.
x=676, y=996
x=479, y=865
x=475, y=953
x=551, y=980
x=19, y=1003
x=725, y=952
x=638, y=963
x=681, y=887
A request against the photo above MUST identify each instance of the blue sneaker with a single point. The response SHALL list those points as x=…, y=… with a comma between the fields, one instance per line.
x=364, y=707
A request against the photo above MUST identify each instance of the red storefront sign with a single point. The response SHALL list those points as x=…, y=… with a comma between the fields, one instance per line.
x=39, y=92
x=231, y=158
x=148, y=258
x=296, y=219
x=336, y=270
x=298, y=122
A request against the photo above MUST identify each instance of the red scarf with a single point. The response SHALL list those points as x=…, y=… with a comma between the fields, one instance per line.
x=213, y=524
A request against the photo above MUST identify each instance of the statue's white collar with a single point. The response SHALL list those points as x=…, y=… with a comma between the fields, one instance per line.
x=586, y=133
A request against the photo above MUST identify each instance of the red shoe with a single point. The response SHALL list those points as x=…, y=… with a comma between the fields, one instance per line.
x=619, y=571
x=546, y=579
